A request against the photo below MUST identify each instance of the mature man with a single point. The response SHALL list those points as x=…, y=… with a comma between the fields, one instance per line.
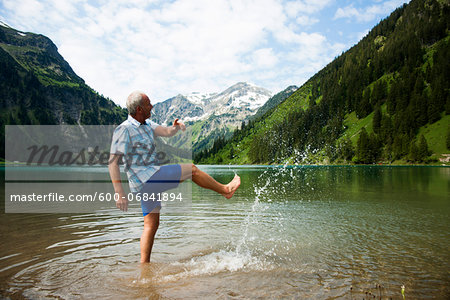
x=134, y=140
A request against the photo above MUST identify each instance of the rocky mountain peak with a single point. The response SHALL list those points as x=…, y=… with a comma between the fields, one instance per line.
x=238, y=102
x=36, y=51
x=212, y=113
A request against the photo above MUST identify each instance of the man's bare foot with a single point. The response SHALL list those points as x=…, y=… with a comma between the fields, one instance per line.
x=232, y=186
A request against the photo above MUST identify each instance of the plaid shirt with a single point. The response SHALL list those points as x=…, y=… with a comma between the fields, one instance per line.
x=136, y=142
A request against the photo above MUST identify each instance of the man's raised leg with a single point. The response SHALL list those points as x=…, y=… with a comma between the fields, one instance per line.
x=190, y=171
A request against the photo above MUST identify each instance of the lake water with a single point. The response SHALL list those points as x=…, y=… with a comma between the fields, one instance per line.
x=300, y=232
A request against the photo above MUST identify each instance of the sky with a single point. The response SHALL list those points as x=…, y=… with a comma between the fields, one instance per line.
x=166, y=48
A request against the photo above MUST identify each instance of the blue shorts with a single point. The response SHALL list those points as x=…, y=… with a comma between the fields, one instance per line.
x=166, y=178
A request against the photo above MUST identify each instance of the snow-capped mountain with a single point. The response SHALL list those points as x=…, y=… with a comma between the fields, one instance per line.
x=199, y=98
x=216, y=112
x=237, y=102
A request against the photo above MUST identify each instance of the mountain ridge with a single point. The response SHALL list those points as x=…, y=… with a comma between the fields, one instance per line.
x=200, y=106
x=212, y=114
x=37, y=86
x=386, y=90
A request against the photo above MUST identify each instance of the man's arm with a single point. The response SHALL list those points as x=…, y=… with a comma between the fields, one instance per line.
x=114, y=173
x=171, y=130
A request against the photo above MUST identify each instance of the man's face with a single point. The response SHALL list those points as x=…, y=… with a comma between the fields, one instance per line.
x=146, y=107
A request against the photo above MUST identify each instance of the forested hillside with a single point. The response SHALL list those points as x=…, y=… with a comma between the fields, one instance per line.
x=384, y=100
x=37, y=86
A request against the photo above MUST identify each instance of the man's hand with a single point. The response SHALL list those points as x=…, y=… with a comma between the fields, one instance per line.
x=170, y=130
x=122, y=202
x=114, y=173
x=180, y=124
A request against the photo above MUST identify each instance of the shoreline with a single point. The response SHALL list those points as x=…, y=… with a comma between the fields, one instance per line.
x=4, y=164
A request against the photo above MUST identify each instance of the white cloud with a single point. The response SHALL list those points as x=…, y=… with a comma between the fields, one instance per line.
x=166, y=48
x=264, y=58
x=368, y=13
x=347, y=12
x=306, y=20
x=25, y=10
x=293, y=8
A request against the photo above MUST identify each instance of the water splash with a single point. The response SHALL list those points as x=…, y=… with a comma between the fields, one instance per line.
x=247, y=252
x=237, y=256
x=276, y=180
x=213, y=263
x=252, y=216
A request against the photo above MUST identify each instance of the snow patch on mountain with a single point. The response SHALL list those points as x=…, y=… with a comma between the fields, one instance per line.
x=237, y=103
x=212, y=113
x=199, y=98
x=4, y=24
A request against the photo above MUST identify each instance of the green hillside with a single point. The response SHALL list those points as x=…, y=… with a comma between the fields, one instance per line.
x=37, y=86
x=381, y=101
x=274, y=101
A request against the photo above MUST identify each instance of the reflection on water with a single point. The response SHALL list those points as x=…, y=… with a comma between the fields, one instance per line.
x=309, y=232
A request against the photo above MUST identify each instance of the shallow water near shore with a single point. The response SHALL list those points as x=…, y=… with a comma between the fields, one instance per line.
x=288, y=232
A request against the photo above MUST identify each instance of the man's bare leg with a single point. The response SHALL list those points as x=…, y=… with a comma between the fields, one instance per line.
x=151, y=223
x=190, y=171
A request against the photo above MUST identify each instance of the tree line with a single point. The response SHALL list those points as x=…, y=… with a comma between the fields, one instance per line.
x=400, y=73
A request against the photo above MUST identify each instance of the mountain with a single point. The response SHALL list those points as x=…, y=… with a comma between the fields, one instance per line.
x=275, y=100
x=238, y=101
x=215, y=114
x=385, y=100
x=37, y=86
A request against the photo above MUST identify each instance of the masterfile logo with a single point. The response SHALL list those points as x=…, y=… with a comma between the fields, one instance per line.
x=64, y=168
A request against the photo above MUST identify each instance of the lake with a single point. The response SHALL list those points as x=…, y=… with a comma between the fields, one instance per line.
x=289, y=232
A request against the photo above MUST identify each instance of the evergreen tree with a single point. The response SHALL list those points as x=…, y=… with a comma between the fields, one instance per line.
x=422, y=109
x=434, y=107
x=386, y=129
x=423, y=150
x=406, y=141
x=376, y=121
x=392, y=98
x=363, y=147
x=345, y=149
x=414, y=155
x=364, y=107
x=400, y=146
x=379, y=93
x=387, y=152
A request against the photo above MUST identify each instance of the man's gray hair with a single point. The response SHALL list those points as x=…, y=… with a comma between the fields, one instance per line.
x=133, y=101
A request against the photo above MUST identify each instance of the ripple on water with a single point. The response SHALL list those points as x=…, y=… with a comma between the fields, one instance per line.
x=301, y=241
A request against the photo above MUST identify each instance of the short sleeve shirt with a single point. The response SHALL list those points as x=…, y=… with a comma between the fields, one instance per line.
x=136, y=142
